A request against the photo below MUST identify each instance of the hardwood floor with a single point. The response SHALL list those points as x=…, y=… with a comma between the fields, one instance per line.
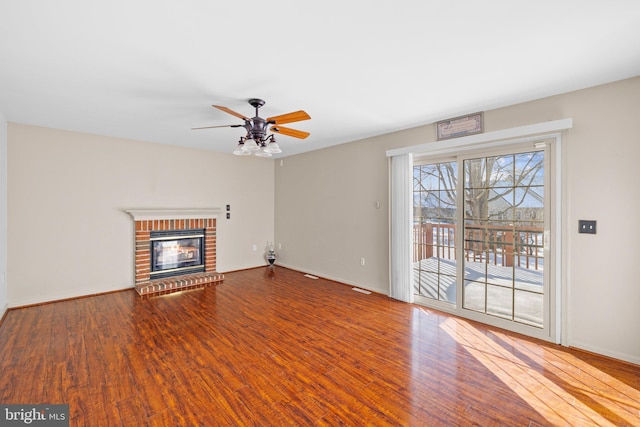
x=272, y=347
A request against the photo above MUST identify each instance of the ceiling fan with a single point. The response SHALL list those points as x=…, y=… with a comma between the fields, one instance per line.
x=257, y=141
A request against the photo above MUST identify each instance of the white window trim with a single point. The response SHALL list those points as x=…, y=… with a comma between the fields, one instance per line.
x=492, y=139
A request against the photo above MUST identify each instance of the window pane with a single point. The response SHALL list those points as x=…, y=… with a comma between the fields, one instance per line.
x=500, y=170
x=416, y=179
x=429, y=264
x=501, y=205
x=475, y=173
x=476, y=203
x=474, y=297
x=427, y=284
x=529, y=248
x=446, y=241
x=429, y=178
x=475, y=271
x=499, y=301
x=417, y=196
x=530, y=168
x=529, y=308
x=528, y=279
x=499, y=275
x=448, y=175
x=448, y=267
x=448, y=288
x=448, y=205
x=422, y=242
x=529, y=203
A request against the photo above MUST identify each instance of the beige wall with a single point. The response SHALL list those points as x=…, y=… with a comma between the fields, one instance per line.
x=326, y=211
x=67, y=232
x=326, y=219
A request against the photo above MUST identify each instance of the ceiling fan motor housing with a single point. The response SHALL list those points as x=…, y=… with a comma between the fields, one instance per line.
x=258, y=129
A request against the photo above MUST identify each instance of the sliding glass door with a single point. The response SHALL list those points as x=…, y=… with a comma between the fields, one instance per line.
x=481, y=236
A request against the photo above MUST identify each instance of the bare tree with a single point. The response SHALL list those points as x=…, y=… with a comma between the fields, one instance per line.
x=489, y=189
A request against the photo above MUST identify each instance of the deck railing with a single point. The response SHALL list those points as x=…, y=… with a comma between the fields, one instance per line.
x=499, y=245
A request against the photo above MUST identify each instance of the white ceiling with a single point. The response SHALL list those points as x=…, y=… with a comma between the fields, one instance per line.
x=150, y=69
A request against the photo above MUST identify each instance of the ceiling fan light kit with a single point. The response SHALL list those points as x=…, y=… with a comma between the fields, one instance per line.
x=258, y=141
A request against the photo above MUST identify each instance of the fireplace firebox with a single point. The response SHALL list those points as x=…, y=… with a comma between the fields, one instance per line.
x=177, y=252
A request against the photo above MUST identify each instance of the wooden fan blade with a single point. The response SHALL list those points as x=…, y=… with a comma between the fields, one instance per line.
x=233, y=113
x=222, y=126
x=296, y=116
x=290, y=132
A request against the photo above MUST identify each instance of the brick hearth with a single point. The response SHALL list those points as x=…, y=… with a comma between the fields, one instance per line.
x=143, y=228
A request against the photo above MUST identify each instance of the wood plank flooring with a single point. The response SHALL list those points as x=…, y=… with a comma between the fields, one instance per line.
x=272, y=347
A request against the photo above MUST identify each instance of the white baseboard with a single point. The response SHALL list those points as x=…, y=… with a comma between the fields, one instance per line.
x=631, y=358
x=66, y=296
x=335, y=279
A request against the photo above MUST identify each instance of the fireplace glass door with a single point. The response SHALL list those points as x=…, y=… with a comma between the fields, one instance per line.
x=176, y=252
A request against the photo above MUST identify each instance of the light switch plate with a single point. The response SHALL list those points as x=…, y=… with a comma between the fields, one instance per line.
x=586, y=226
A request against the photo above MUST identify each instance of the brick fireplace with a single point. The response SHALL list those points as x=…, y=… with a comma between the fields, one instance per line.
x=150, y=221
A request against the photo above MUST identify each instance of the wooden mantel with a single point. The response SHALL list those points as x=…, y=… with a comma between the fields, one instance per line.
x=172, y=213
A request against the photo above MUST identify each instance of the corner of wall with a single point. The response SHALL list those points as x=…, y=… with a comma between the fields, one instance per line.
x=3, y=216
x=3, y=311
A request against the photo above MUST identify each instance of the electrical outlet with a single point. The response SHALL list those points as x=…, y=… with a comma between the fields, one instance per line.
x=362, y=261
x=588, y=227
x=255, y=247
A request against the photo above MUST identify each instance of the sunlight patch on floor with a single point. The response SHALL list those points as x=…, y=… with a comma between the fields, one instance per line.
x=570, y=403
